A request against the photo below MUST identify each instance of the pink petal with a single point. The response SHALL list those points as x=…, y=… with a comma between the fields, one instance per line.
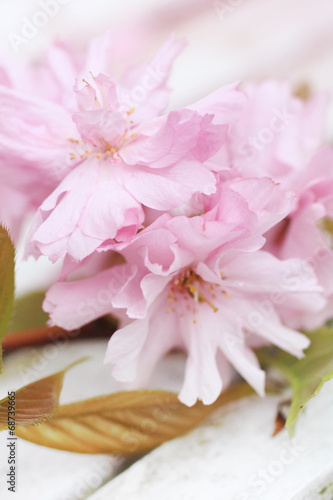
x=169, y=188
x=74, y=304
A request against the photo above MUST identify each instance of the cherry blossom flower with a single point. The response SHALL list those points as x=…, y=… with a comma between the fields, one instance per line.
x=119, y=159
x=274, y=133
x=31, y=163
x=199, y=228
x=29, y=156
x=301, y=234
x=201, y=284
x=277, y=134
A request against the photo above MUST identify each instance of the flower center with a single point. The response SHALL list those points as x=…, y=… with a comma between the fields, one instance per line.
x=102, y=150
x=188, y=286
x=84, y=150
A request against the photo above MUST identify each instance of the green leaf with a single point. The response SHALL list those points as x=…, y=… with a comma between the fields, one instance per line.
x=123, y=423
x=306, y=376
x=7, y=266
x=28, y=313
x=35, y=402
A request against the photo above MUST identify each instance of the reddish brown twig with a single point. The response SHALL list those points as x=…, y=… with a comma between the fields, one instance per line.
x=102, y=328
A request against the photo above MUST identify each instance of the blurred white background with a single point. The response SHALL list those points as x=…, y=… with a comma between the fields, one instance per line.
x=228, y=40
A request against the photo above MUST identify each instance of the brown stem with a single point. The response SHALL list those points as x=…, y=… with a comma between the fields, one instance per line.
x=101, y=328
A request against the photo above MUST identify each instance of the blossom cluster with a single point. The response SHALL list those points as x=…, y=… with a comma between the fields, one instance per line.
x=201, y=229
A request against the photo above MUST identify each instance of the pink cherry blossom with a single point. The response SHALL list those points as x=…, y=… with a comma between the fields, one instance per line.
x=37, y=101
x=279, y=135
x=31, y=163
x=274, y=133
x=200, y=284
x=115, y=163
x=200, y=229
x=300, y=233
x=32, y=154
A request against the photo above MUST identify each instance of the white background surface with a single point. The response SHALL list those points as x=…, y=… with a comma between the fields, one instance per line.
x=234, y=457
